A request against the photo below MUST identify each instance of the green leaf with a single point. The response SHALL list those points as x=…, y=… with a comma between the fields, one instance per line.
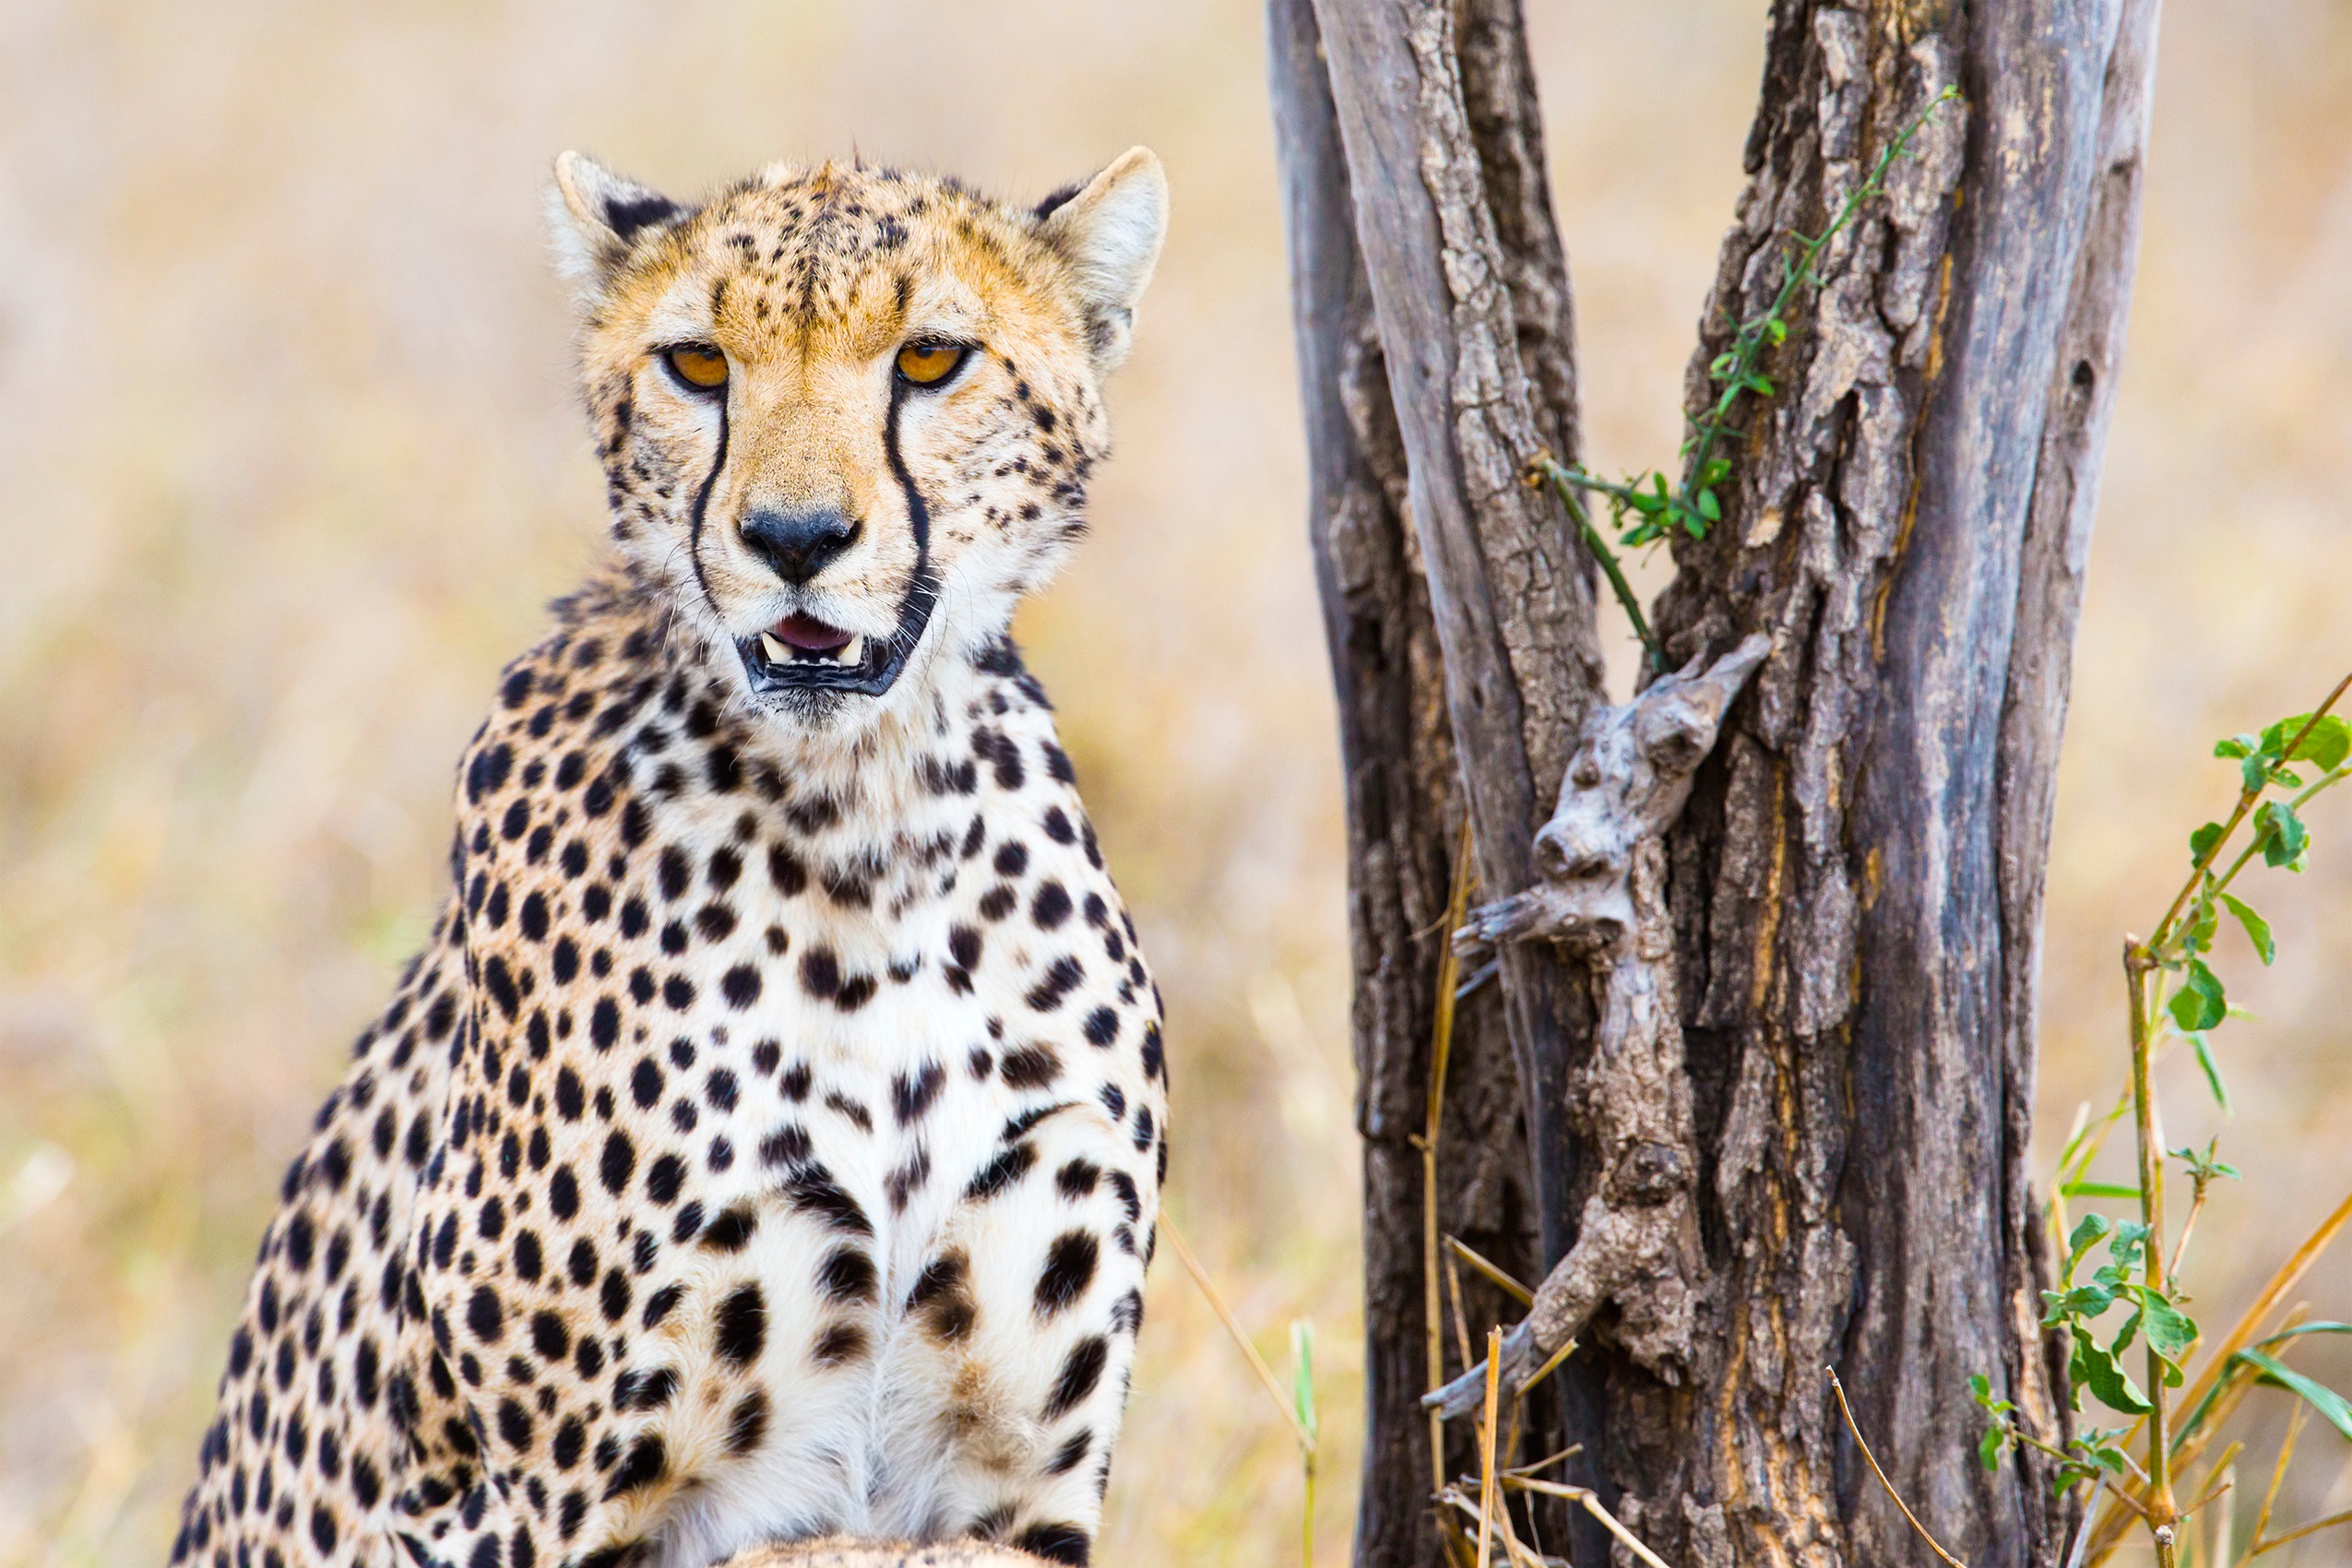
x=2098, y=1189
x=2257, y=928
x=2328, y=743
x=2083, y=1301
x=2170, y=1332
x=2131, y=1242
x=2111, y=1459
x=2318, y=1395
x=2197, y=935
x=2281, y=834
x=1761, y=385
x=2254, y=771
x=1989, y=1446
x=2200, y=1004
x=2303, y=1328
x=2211, y=1069
x=2087, y=1233
x=2237, y=745
x=1777, y=329
x=2203, y=839
x=1710, y=508
x=2095, y=1369
x=1303, y=1385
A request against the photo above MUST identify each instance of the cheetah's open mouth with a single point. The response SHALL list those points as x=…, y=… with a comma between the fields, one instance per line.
x=802, y=653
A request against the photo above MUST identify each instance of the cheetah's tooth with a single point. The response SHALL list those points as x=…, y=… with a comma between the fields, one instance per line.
x=854, y=653
x=776, y=652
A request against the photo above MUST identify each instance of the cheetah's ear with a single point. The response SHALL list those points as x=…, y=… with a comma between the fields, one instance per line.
x=599, y=217
x=1110, y=231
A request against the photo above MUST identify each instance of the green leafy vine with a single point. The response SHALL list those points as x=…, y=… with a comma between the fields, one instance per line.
x=1657, y=508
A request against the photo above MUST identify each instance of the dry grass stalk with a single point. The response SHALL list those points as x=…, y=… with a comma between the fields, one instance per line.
x=1592, y=1504
x=1933, y=1545
x=2220, y=1476
x=2083, y=1530
x=1233, y=1326
x=1521, y=1554
x=1461, y=1324
x=1449, y=976
x=2220, y=1545
x=2263, y=1540
x=2277, y=1477
x=1494, y=1274
x=1545, y=1370
x=1523, y=1471
x=1486, y=1436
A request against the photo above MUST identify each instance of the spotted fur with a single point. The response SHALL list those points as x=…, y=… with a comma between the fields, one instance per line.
x=767, y=1142
x=840, y=1552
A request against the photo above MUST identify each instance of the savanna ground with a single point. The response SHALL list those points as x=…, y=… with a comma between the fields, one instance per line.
x=289, y=464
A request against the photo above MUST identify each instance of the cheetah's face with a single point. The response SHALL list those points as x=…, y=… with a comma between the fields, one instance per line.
x=847, y=417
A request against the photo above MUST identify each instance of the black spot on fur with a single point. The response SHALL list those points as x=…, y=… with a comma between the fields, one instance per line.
x=814, y=1192
x=1055, y=1542
x=1000, y=1173
x=1081, y=1372
x=911, y=1097
x=1069, y=1269
x=648, y=1461
x=748, y=1424
x=484, y=1315
x=619, y=1162
x=842, y=1342
x=848, y=1275
x=732, y=1231
x=1032, y=1067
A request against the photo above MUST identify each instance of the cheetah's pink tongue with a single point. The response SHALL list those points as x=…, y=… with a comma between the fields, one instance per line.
x=804, y=639
x=808, y=632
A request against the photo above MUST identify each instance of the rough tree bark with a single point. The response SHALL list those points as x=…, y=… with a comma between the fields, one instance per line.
x=1405, y=795
x=1856, y=886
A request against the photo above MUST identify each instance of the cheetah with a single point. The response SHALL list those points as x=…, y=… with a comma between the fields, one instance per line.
x=766, y=1143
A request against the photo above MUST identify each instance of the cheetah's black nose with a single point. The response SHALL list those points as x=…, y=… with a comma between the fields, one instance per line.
x=797, y=545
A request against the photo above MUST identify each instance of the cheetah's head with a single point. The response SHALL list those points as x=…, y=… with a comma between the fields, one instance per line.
x=846, y=416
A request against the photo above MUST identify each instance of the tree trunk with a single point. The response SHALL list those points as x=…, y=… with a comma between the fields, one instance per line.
x=1857, y=884
x=1406, y=806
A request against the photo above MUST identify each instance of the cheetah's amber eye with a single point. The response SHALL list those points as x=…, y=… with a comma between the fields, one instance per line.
x=698, y=365
x=928, y=364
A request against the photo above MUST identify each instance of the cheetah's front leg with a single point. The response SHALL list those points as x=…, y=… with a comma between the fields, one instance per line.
x=1013, y=1361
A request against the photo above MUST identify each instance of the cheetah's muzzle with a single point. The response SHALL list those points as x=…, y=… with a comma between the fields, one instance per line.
x=804, y=654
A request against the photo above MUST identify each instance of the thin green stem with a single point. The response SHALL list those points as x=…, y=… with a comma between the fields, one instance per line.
x=1561, y=480
x=2139, y=964
x=1754, y=335
x=2168, y=928
x=1307, y=1517
x=2326, y=780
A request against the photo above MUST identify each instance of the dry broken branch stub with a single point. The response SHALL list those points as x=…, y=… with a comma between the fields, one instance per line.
x=1601, y=898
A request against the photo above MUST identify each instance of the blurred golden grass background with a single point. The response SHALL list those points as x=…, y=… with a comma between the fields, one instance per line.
x=289, y=463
